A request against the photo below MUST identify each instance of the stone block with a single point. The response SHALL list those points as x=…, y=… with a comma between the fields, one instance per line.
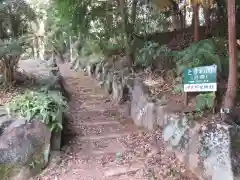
x=24, y=148
x=56, y=137
x=108, y=83
x=98, y=71
x=141, y=108
x=215, y=152
x=162, y=115
x=105, y=70
x=149, y=116
x=117, y=89
x=91, y=69
x=129, y=82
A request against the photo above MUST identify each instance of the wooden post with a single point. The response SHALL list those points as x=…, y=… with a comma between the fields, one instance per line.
x=185, y=98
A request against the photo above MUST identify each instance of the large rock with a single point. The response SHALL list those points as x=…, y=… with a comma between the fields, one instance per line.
x=98, y=71
x=105, y=70
x=91, y=69
x=142, y=109
x=108, y=82
x=24, y=148
x=117, y=88
x=44, y=72
x=211, y=150
x=120, y=91
x=47, y=75
x=215, y=152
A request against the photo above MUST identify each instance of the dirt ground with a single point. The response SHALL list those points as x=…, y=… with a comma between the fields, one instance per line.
x=101, y=144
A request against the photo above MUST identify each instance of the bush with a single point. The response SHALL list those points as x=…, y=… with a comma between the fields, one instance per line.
x=205, y=101
x=10, y=51
x=148, y=54
x=203, y=53
x=45, y=106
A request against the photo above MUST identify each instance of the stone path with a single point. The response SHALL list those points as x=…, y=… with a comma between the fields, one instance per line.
x=102, y=144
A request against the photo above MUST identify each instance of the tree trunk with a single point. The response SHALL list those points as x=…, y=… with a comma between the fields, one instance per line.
x=196, y=22
x=9, y=67
x=34, y=48
x=40, y=39
x=176, y=16
x=128, y=28
x=231, y=92
x=41, y=46
x=207, y=13
x=182, y=18
x=176, y=24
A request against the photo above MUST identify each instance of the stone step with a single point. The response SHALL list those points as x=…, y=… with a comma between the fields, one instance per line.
x=107, y=147
x=107, y=136
x=124, y=169
x=102, y=130
x=93, y=118
x=99, y=123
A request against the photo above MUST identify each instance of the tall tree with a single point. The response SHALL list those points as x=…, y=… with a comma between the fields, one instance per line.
x=12, y=30
x=196, y=21
x=229, y=100
x=129, y=26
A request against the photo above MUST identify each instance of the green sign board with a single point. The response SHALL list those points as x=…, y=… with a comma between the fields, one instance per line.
x=200, y=79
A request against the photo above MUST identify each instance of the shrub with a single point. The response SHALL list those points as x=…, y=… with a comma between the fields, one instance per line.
x=205, y=101
x=203, y=53
x=148, y=54
x=45, y=106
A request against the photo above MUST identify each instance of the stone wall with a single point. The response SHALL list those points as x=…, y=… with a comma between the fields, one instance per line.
x=209, y=149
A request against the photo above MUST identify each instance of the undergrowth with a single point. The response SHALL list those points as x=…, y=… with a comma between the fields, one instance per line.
x=45, y=106
x=146, y=56
x=205, y=101
x=203, y=53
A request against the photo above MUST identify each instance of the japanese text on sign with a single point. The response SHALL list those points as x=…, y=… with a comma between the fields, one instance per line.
x=200, y=79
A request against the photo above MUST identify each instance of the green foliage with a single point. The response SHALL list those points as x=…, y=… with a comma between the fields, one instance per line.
x=14, y=18
x=105, y=23
x=148, y=54
x=112, y=44
x=44, y=106
x=11, y=47
x=203, y=53
x=6, y=171
x=91, y=47
x=10, y=51
x=178, y=86
x=178, y=89
x=205, y=101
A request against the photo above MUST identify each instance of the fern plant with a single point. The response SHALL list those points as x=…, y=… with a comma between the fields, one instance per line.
x=36, y=105
x=178, y=89
x=149, y=53
x=178, y=86
x=205, y=101
x=203, y=53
